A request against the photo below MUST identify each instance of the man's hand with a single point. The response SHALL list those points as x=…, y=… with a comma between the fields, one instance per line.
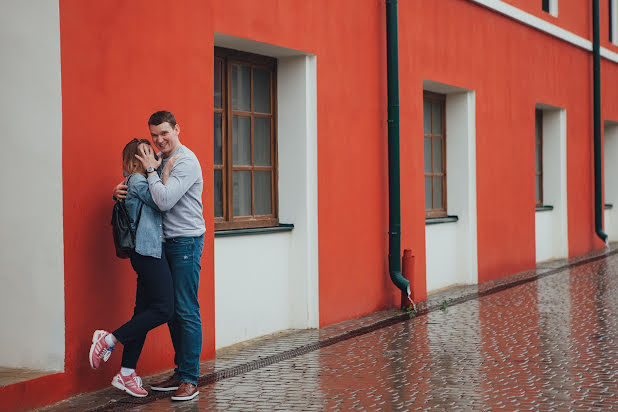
x=120, y=191
x=148, y=157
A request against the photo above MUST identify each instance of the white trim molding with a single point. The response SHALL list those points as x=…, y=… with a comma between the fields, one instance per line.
x=544, y=26
x=451, y=249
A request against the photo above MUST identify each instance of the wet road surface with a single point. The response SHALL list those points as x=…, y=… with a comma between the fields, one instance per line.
x=548, y=344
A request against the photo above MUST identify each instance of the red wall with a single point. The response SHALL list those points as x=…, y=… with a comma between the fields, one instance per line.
x=511, y=67
x=352, y=173
x=120, y=62
x=123, y=60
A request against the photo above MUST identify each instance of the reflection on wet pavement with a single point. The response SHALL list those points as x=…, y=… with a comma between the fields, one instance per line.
x=550, y=344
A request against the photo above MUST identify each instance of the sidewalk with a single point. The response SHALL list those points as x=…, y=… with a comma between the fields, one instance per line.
x=259, y=354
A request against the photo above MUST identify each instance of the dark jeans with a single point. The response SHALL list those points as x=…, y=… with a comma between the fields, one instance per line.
x=154, y=305
x=183, y=255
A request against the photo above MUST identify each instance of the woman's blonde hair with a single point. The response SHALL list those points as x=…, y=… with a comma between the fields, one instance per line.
x=130, y=163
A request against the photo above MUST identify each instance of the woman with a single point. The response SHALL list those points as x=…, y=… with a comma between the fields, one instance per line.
x=154, y=300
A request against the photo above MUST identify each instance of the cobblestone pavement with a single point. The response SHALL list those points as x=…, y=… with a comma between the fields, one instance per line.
x=549, y=343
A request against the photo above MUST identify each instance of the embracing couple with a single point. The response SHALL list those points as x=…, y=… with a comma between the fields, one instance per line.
x=163, y=196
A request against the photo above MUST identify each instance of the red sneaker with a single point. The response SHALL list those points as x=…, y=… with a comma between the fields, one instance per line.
x=131, y=384
x=99, y=350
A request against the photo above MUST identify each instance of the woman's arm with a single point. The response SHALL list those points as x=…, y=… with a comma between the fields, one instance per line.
x=138, y=187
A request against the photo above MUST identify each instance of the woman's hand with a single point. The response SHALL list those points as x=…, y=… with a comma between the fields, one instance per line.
x=168, y=167
x=148, y=157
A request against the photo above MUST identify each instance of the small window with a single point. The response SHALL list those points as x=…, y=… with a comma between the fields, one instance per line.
x=434, y=141
x=550, y=6
x=538, y=156
x=245, y=160
x=613, y=21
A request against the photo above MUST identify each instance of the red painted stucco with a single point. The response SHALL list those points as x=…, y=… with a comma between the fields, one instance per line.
x=352, y=196
x=123, y=60
x=511, y=67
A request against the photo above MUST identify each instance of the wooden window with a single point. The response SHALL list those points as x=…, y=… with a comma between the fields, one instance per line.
x=545, y=5
x=245, y=140
x=434, y=141
x=538, y=156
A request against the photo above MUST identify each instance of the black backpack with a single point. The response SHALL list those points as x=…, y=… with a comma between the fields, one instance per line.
x=124, y=235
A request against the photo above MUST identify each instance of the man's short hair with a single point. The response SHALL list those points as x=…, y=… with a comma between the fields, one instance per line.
x=162, y=116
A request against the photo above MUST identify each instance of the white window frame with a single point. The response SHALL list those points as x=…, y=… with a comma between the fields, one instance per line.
x=553, y=8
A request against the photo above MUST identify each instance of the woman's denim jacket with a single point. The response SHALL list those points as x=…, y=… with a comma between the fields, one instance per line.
x=149, y=233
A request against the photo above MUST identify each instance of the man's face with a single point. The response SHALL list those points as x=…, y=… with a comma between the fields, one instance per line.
x=165, y=137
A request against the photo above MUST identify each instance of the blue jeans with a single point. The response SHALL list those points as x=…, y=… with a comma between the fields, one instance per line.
x=154, y=305
x=183, y=255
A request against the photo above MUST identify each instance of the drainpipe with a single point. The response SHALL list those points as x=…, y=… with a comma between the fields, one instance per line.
x=596, y=75
x=394, y=197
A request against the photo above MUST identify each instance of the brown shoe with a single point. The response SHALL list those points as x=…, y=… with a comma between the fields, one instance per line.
x=170, y=384
x=185, y=392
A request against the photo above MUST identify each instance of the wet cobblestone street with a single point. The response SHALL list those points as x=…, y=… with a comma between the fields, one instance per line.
x=548, y=344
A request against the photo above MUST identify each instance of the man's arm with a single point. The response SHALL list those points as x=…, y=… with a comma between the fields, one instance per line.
x=182, y=176
x=120, y=191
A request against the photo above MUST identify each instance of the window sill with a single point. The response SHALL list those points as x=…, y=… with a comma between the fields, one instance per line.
x=438, y=220
x=283, y=227
x=608, y=206
x=544, y=208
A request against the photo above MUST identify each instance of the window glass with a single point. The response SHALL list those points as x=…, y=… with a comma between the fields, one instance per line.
x=241, y=88
x=427, y=155
x=261, y=141
x=242, y=193
x=437, y=155
x=241, y=131
x=218, y=193
x=427, y=192
x=218, y=118
x=538, y=156
x=437, y=193
x=261, y=91
x=263, y=193
x=218, y=84
x=613, y=21
x=427, y=117
x=436, y=116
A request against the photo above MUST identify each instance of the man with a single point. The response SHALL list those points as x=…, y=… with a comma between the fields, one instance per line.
x=180, y=200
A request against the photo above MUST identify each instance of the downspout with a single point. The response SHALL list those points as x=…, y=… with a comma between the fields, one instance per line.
x=596, y=76
x=394, y=196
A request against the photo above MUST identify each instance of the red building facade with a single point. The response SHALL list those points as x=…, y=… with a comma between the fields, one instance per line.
x=493, y=63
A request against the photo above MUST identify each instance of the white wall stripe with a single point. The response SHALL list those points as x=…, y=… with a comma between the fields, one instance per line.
x=544, y=26
x=609, y=55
